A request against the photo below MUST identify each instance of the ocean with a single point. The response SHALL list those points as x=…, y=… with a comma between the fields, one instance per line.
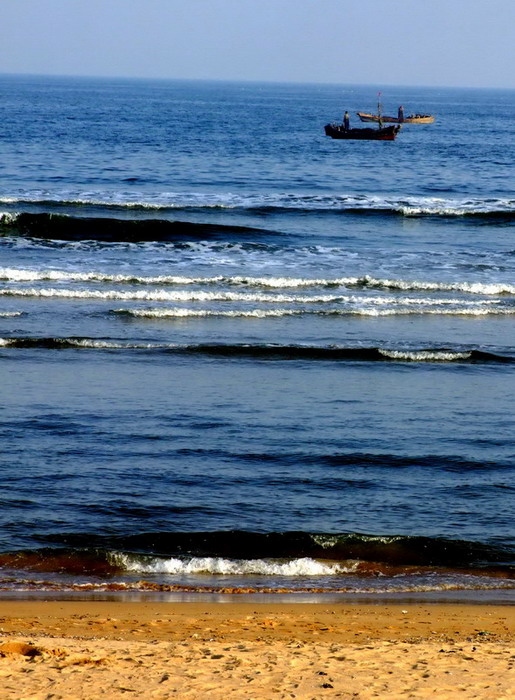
x=238, y=356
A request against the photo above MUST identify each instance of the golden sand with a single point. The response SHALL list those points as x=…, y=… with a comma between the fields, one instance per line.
x=62, y=649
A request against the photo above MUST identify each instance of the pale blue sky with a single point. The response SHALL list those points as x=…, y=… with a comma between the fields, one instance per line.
x=468, y=43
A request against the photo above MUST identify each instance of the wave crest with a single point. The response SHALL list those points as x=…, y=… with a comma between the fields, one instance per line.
x=21, y=275
x=274, y=202
x=266, y=351
x=304, y=566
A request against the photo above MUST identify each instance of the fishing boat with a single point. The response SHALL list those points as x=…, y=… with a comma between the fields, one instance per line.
x=338, y=131
x=399, y=119
x=410, y=119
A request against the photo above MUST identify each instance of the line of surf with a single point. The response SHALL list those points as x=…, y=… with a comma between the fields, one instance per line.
x=343, y=548
x=290, y=202
x=22, y=275
x=265, y=351
x=370, y=311
x=193, y=295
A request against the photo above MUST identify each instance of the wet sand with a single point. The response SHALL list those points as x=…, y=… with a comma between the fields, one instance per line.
x=75, y=649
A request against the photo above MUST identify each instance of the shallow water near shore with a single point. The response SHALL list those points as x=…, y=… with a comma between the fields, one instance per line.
x=238, y=355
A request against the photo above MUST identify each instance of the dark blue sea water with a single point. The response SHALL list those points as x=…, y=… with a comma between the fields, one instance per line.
x=237, y=354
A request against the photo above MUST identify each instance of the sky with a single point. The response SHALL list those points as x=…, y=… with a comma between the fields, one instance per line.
x=455, y=43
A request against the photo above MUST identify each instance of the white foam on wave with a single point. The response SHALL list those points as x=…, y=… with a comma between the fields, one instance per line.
x=163, y=295
x=132, y=199
x=24, y=275
x=7, y=217
x=365, y=281
x=425, y=355
x=421, y=311
x=415, y=285
x=206, y=313
x=91, y=343
x=221, y=566
x=10, y=314
x=179, y=312
x=98, y=344
x=368, y=304
x=439, y=206
x=402, y=585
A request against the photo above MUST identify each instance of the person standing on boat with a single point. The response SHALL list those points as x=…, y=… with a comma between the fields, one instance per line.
x=400, y=114
x=346, y=121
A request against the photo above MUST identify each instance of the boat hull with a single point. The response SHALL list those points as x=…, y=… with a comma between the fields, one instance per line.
x=335, y=131
x=411, y=119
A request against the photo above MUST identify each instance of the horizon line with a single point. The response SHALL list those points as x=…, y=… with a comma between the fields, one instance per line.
x=85, y=76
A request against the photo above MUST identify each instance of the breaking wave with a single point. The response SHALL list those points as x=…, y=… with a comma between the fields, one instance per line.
x=290, y=202
x=237, y=562
x=214, y=550
x=323, y=304
x=362, y=282
x=75, y=228
x=271, y=352
x=421, y=309
x=305, y=566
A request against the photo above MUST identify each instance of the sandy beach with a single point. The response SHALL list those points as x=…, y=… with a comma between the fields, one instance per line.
x=75, y=649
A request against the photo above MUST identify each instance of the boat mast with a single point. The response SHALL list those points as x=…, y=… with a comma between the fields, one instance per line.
x=379, y=109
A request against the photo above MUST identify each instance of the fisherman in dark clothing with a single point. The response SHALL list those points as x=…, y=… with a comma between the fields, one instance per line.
x=400, y=114
x=346, y=121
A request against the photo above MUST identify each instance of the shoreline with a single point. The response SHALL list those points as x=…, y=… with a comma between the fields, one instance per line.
x=472, y=596
x=82, y=649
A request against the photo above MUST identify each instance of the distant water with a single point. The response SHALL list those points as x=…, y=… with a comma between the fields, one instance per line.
x=237, y=354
